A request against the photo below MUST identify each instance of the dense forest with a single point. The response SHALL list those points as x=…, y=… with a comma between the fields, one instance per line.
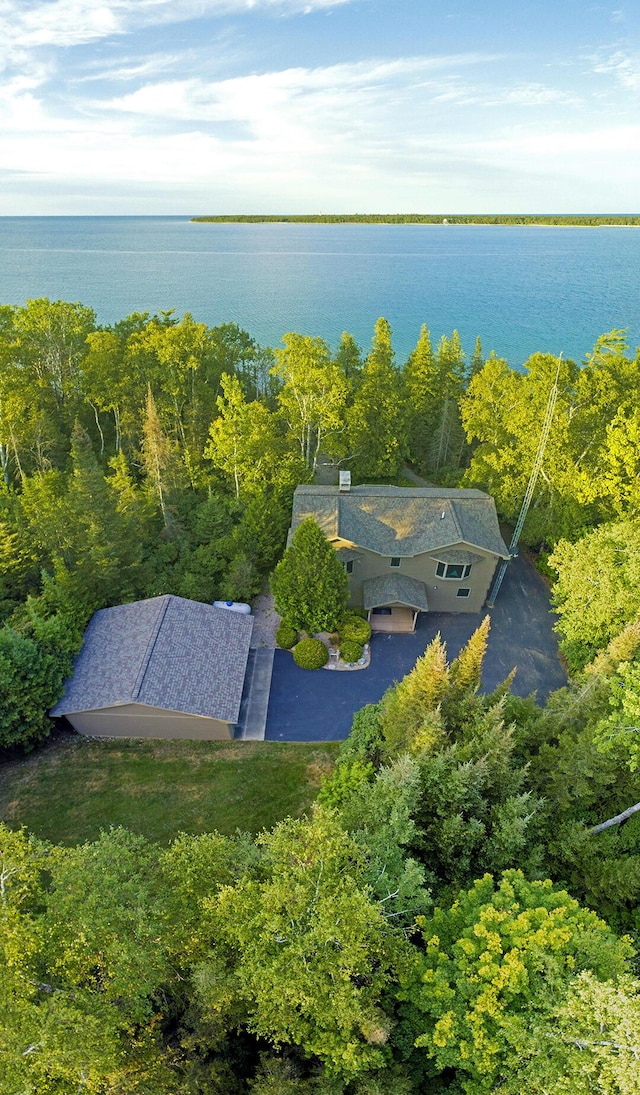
x=454, y=914
x=567, y=219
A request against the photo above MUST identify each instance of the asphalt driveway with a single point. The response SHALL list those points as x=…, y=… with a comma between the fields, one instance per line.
x=319, y=706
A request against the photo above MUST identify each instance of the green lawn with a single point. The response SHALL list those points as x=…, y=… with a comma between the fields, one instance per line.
x=70, y=789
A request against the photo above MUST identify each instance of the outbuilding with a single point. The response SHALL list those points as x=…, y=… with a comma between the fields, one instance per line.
x=160, y=668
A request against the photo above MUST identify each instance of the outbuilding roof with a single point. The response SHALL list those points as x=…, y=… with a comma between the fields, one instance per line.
x=165, y=652
x=402, y=521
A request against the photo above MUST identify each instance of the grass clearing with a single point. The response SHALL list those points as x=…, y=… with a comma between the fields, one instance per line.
x=73, y=787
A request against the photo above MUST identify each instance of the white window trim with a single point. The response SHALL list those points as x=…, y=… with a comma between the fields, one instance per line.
x=466, y=571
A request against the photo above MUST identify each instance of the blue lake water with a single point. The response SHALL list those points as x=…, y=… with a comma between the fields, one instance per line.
x=521, y=289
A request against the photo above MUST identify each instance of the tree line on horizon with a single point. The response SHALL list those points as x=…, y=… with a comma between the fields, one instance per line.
x=446, y=919
x=585, y=220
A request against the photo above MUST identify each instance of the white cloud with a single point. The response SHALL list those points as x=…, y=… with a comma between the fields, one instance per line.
x=623, y=66
x=32, y=23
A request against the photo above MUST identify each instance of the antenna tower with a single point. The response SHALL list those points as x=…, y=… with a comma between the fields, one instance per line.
x=531, y=486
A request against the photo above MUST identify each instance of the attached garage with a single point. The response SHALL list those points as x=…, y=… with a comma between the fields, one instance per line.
x=162, y=668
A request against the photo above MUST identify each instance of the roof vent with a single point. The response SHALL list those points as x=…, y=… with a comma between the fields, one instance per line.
x=345, y=481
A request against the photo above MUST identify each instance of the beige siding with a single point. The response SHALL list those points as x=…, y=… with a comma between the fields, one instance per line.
x=441, y=592
x=136, y=720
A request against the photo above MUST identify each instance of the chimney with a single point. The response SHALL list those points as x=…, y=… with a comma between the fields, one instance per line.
x=345, y=482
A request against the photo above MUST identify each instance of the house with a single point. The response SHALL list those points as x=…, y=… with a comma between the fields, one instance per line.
x=408, y=549
x=160, y=668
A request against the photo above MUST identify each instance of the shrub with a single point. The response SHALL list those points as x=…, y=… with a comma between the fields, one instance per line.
x=350, y=651
x=345, y=779
x=355, y=629
x=310, y=654
x=286, y=636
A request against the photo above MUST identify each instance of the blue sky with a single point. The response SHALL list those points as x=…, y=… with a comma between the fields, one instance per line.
x=267, y=106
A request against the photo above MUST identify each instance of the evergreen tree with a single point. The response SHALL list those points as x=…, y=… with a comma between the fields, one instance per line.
x=422, y=393
x=376, y=420
x=310, y=583
x=161, y=462
x=410, y=710
x=348, y=358
x=448, y=442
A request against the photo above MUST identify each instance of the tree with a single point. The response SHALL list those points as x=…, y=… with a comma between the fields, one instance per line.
x=410, y=710
x=32, y=672
x=52, y=336
x=496, y=963
x=161, y=461
x=90, y=543
x=348, y=358
x=312, y=396
x=309, y=583
x=246, y=443
x=376, y=419
x=475, y=810
x=597, y=591
x=447, y=442
x=84, y=973
x=620, y=731
x=307, y=950
x=423, y=395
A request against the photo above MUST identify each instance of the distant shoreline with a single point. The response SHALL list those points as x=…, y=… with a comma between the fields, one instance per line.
x=605, y=220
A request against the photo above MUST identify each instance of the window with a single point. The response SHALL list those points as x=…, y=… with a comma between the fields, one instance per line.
x=395, y=561
x=463, y=592
x=453, y=570
x=348, y=566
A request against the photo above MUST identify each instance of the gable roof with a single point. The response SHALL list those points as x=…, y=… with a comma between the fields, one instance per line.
x=402, y=521
x=164, y=652
x=391, y=589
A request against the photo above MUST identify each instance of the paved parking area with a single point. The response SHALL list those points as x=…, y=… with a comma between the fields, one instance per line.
x=319, y=706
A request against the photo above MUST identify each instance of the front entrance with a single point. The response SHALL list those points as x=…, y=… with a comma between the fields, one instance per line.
x=392, y=618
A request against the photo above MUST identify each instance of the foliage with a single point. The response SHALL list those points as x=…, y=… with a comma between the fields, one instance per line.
x=313, y=395
x=354, y=628
x=619, y=731
x=286, y=636
x=498, y=961
x=309, y=952
x=33, y=665
x=350, y=651
x=410, y=710
x=346, y=778
x=309, y=584
x=597, y=590
x=310, y=654
x=375, y=419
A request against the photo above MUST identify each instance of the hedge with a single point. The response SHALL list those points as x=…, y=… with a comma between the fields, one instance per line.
x=286, y=636
x=310, y=654
x=355, y=629
x=350, y=651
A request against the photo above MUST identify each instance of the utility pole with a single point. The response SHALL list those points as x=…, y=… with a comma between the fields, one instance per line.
x=526, y=502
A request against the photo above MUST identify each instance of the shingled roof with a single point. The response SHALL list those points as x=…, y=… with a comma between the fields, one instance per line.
x=165, y=652
x=392, y=589
x=402, y=521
